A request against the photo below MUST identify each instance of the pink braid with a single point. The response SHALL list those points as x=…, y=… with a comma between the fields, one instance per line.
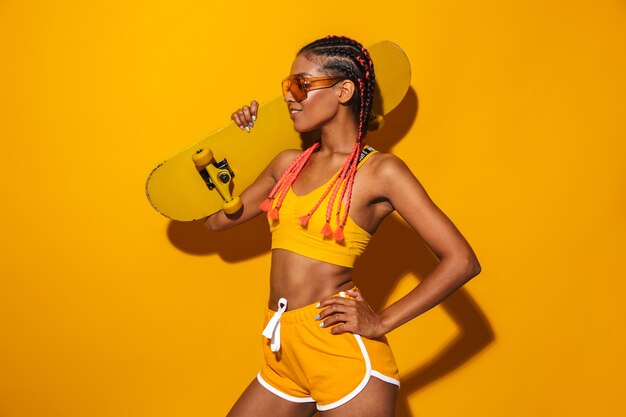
x=346, y=167
x=290, y=180
x=337, y=180
x=353, y=166
x=290, y=169
x=284, y=182
x=348, y=200
x=339, y=236
x=299, y=162
x=357, y=147
x=304, y=220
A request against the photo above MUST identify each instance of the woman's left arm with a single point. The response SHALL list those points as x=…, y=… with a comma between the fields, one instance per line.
x=458, y=263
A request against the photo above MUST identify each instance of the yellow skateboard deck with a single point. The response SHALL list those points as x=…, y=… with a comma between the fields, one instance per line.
x=209, y=175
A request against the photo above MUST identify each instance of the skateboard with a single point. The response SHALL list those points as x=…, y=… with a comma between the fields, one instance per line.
x=210, y=175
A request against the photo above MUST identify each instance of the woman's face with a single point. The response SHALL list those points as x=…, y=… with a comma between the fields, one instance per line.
x=320, y=106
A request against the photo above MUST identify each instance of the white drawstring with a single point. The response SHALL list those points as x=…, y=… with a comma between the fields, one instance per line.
x=272, y=330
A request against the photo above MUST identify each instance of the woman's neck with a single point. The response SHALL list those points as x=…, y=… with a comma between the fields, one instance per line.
x=338, y=137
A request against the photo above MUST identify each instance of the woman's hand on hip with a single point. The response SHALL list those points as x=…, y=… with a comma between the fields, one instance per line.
x=352, y=315
x=246, y=116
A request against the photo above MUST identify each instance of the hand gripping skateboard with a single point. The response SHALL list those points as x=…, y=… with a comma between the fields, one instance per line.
x=210, y=175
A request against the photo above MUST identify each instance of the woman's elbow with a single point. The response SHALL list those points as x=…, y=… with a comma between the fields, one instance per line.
x=476, y=269
x=210, y=224
x=221, y=221
x=472, y=266
x=467, y=265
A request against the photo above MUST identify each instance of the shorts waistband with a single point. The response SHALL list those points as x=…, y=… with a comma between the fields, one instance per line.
x=307, y=312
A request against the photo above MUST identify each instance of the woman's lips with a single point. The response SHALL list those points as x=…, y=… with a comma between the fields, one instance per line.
x=294, y=112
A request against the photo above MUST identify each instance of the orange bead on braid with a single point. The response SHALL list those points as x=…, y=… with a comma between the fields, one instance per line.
x=343, y=57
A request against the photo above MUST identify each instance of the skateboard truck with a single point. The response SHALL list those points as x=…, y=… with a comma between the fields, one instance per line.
x=217, y=175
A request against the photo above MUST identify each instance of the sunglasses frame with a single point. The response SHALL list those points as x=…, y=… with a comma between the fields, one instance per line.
x=308, y=84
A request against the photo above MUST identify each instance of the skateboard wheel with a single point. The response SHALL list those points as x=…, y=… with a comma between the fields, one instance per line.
x=202, y=157
x=232, y=206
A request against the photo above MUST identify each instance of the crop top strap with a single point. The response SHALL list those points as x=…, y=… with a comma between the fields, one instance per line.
x=365, y=153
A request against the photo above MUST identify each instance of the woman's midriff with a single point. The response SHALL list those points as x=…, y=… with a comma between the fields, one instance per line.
x=303, y=281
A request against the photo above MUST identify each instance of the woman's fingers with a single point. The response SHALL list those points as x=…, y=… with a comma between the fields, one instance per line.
x=353, y=315
x=356, y=294
x=254, y=109
x=237, y=117
x=335, y=305
x=246, y=116
x=336, y=319
x=344, y=328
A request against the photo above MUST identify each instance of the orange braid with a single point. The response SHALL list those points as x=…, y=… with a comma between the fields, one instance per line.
x=349, y=183
x=353, y=164
x=304, y=220
x=344, y=171
x=341, y=222
x=284, y=182
x=348, y=198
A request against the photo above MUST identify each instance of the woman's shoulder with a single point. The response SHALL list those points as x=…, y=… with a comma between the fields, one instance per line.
x=388, y=176
x=282, y=161
x=385, y=165
x=381, y=176
x=286, y=157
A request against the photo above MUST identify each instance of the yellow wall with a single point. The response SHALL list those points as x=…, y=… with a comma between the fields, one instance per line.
x=515, y=125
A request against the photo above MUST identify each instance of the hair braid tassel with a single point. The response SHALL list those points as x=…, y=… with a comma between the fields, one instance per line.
x=266, y=205
x=327, y=231
x=338, y=235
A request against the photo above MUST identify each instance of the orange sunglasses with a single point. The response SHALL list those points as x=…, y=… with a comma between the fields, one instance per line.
x=299, y=85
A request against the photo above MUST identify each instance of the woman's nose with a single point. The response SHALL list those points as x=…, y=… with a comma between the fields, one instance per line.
x=288, y=98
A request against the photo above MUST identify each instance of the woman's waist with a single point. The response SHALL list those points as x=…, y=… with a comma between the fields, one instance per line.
x=304, y=282
x=304, y=296
x=295, y=313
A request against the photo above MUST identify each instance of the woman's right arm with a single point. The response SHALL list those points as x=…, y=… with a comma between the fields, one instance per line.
x=254, y=195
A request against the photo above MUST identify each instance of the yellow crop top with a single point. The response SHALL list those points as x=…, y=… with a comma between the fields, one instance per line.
x=287, y=233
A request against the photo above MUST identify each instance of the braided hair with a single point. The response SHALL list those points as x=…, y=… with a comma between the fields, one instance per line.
x=343, y=57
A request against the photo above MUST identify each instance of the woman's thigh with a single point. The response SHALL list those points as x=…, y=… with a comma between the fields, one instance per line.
x=378, y=399
x=259, y=402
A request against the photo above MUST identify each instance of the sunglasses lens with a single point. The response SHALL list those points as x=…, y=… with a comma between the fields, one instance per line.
x=294, y=86
x=286, y=86
x=297, y=90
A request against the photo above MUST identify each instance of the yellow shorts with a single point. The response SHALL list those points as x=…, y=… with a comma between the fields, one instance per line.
x=313, y=365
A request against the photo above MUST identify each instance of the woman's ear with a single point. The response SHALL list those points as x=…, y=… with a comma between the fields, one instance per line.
x=346, y=91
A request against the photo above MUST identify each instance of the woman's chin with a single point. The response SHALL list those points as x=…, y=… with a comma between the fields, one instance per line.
x=302, y=128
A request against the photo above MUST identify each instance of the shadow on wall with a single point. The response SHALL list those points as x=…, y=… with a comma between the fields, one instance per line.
x=394, y=251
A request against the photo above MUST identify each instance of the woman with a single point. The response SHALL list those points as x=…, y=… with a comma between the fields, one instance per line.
x=324, y=204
